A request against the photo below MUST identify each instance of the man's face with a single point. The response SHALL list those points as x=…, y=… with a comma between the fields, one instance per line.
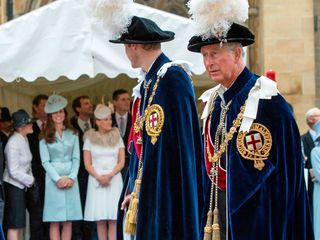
x=39, y=110
x=220, y=63
x=131, y=52
x=6, y=126
x=86, y=108
x=315, y=117
x=122, y=103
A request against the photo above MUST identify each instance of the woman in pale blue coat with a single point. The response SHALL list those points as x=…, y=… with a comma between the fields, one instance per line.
x=60, y=156
x=315, y=160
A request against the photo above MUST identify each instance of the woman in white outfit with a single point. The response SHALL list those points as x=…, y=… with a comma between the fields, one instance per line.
x=103, y=154
x=17, y=175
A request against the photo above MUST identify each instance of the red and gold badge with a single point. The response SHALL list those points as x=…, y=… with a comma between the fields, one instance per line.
x=255, y=145
x=154, y=122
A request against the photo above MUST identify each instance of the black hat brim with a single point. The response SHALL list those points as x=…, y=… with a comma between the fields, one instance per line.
x=143, y=31
x=129, y=41
x=196, y=47
x=237, y=33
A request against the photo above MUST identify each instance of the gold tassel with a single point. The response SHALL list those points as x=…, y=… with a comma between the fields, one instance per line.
x=215, y=225
x=208, y=227
x=135, y=202
x=132, y=213
x=129, y=228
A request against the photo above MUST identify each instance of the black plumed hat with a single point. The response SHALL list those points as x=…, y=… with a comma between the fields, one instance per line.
x=144, y=31
x=236, y=33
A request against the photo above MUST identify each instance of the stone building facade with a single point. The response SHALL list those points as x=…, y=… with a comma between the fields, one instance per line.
x=14, y=8
x=287, y=41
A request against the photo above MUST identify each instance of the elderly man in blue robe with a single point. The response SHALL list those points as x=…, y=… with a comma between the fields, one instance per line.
x=255, y=185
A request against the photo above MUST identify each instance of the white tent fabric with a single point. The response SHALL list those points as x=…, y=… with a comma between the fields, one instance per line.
x=60, y=39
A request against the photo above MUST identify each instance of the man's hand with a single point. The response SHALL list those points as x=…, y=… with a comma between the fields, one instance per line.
x=126, y=202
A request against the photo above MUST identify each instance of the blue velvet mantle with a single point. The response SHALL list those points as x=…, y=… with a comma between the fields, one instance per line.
x=171, y=196
x=267, y=204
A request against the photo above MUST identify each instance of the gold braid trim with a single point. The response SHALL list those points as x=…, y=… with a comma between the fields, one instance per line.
x=140, y=120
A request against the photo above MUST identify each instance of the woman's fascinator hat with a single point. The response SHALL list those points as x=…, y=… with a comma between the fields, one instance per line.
x=219, y=21
x=109, y=140
x=55, y=103
x=102, y=111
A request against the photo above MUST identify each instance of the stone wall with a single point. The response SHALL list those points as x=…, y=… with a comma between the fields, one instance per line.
x=287, y=41
x=19, y=7
x=3, y=13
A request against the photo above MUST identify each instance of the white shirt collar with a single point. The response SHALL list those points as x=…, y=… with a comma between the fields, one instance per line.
x=118, y=116
x=81, y=123
x=39, y=123
x=141, y=78
x=313, y=134
x=5, y=133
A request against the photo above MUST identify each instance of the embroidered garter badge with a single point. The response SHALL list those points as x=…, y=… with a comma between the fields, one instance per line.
x=255, y=145
x=154, y=122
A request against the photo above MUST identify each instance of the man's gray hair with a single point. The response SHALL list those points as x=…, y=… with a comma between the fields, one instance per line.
x=312, y=112
x=231, y=46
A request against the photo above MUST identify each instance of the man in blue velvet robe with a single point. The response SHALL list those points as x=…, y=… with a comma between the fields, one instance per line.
x=166, y=142
x=252, y=149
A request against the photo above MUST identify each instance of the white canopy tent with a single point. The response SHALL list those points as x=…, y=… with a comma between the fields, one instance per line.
x=45, y=49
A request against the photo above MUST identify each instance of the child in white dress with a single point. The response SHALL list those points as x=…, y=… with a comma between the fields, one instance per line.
x=103, y=153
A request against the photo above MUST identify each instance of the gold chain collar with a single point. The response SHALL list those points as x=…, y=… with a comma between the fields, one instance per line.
x=235, y=124
x=138, y=125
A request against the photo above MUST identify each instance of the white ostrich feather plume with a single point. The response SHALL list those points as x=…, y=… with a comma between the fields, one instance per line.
x=115, y=15
x=214, y=17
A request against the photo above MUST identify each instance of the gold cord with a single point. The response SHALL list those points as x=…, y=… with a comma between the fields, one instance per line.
x=213, y=232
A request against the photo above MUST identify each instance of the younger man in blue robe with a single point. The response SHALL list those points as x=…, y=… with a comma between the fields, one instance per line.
x=166, y=149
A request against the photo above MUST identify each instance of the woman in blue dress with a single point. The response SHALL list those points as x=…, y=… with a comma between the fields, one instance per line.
x=59, y=151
